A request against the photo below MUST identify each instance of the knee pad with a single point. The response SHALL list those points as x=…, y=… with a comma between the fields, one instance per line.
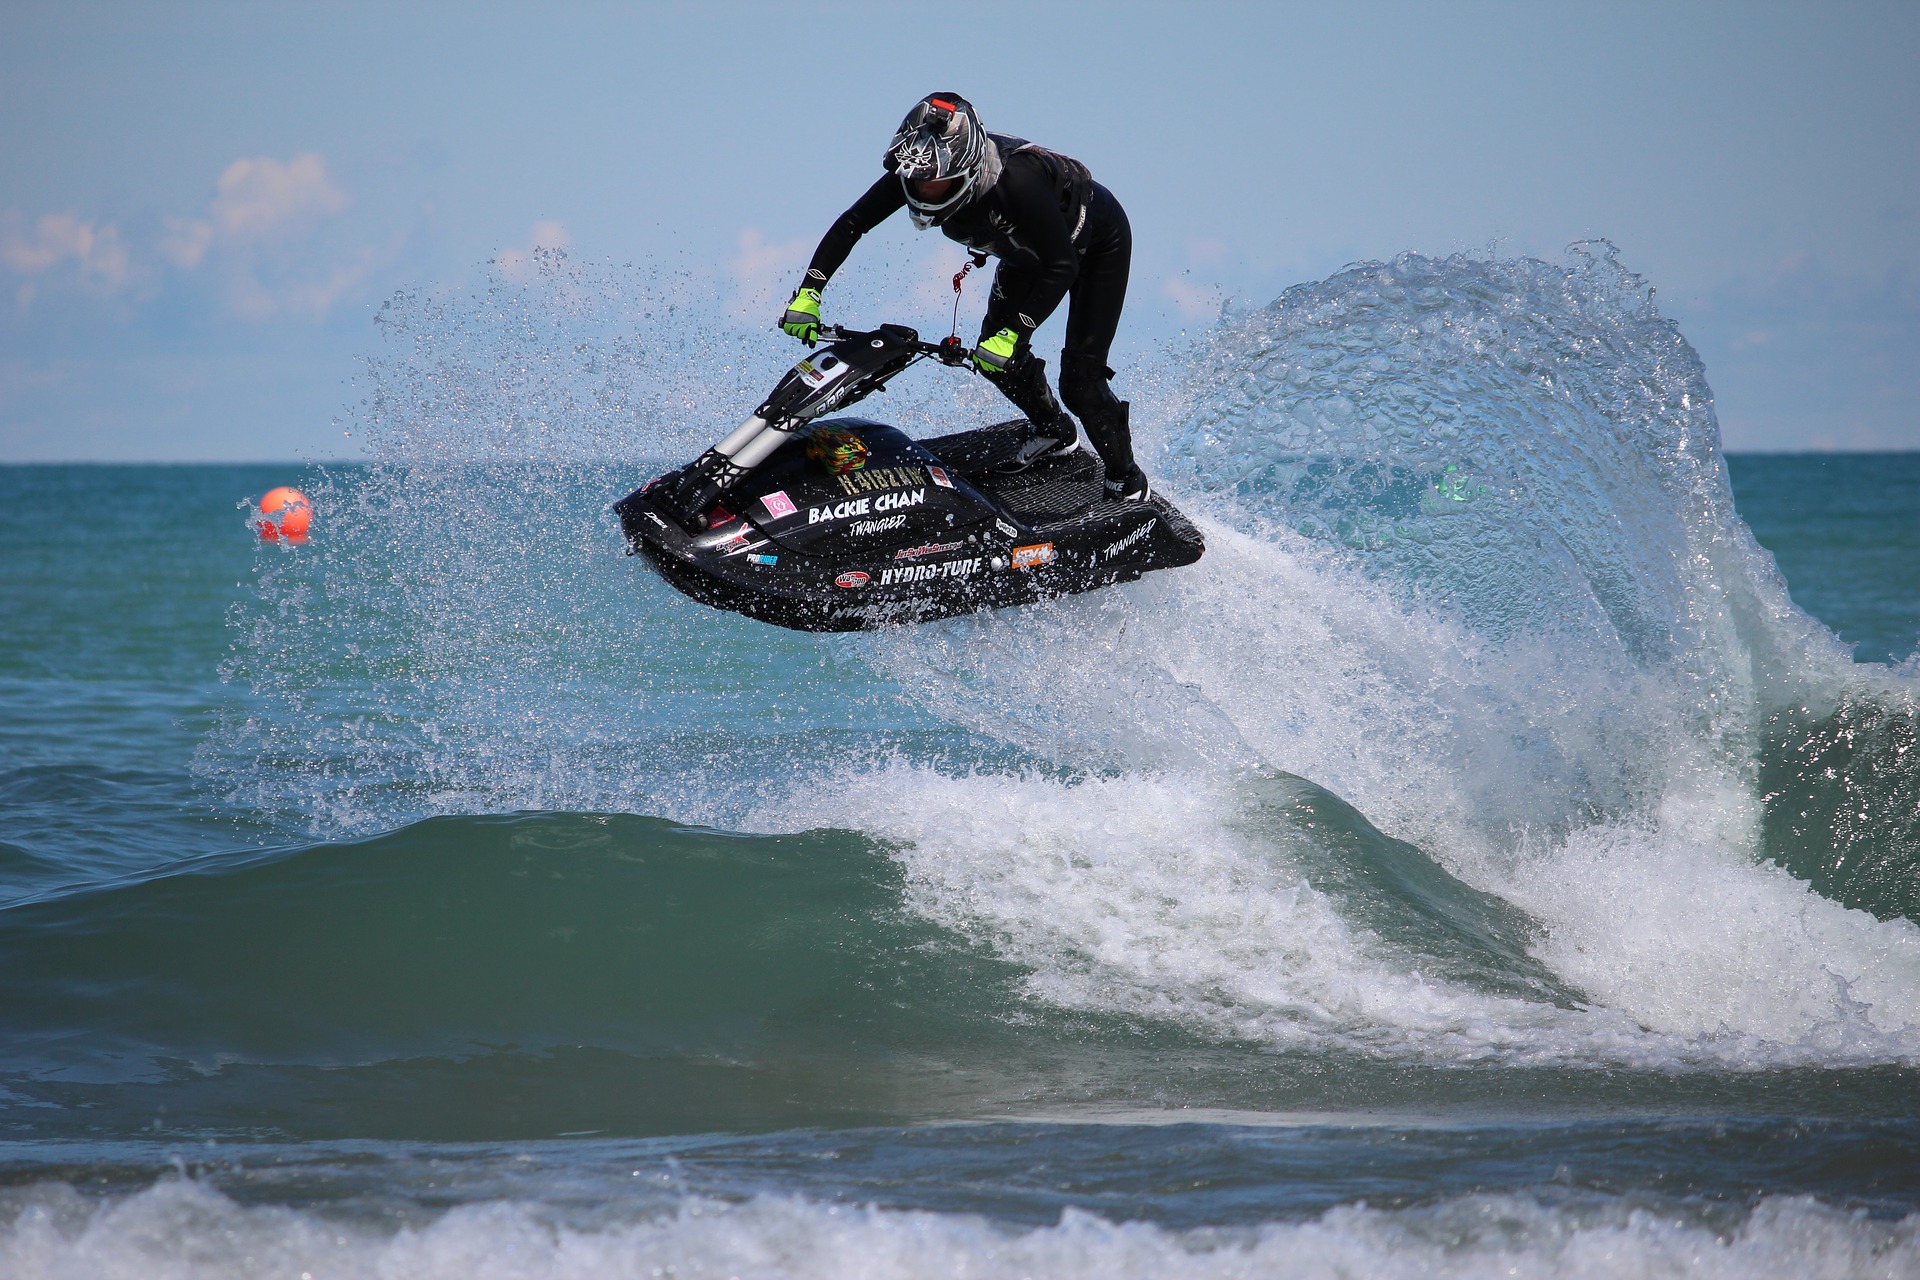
x=1083, y=385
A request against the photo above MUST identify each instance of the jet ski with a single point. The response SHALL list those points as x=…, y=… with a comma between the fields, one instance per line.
x=846, y=524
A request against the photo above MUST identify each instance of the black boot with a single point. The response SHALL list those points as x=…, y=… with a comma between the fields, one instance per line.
x=1111, y=430
x=1054, y=434
x=1134, y=488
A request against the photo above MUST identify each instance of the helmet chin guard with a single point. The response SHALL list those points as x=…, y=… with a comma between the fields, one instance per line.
x=940, y=140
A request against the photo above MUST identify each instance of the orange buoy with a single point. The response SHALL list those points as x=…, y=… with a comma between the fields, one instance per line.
x=285, y=513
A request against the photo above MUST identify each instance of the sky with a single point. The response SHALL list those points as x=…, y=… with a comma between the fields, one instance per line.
x=203, y=206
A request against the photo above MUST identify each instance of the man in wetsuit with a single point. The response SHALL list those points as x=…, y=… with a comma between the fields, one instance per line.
x=1056, y=232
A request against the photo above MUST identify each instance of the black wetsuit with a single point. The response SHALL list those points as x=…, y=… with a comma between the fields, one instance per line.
x=1056, y=232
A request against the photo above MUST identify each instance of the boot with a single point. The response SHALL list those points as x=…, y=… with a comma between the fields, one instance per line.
x=1134, y=487
x=1054, y=434
x=1111, y=430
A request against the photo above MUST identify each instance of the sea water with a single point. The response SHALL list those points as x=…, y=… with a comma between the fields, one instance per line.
x=1498, y=856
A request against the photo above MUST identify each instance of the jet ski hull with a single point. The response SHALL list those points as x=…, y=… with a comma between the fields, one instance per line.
x=914, y=532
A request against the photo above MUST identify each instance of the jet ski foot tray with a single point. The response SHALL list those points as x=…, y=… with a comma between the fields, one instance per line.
x=848, y=524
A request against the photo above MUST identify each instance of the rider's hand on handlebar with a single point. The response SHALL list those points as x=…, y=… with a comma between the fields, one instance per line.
x=802, y=316
x=995, y=355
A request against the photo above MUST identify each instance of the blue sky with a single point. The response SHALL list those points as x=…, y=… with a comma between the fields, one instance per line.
x=202, y=206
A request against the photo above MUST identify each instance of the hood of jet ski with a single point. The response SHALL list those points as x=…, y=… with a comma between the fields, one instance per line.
x=853, y=525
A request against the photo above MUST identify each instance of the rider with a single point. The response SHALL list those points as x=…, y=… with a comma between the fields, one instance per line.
x=1055, y=230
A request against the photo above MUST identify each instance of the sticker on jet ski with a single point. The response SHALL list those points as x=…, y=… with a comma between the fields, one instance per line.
x=927, y=572
x=873, y=479
x=837, y=450
x=866, y=506
x=1113, y=549
x=1034, y=556
x=930, y=549
x=818, y=371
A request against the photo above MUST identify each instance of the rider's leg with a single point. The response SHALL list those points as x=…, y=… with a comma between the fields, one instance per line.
x=1026, y=382
x=1093, y=318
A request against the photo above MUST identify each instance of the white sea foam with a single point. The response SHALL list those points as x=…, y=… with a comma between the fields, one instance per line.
x=1150, y=896
x=183, y=1229
x=1473, y=567
x=1556, y=687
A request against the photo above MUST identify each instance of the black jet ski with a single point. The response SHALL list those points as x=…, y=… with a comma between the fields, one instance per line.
x=844, y=524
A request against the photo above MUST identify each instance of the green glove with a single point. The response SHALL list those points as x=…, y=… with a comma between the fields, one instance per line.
x=994, y=354
x=802, y=317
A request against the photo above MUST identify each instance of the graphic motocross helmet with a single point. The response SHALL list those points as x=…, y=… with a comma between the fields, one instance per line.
x=939, y=152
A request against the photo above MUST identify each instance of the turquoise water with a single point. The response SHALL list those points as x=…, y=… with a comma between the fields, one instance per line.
x=1498, y=856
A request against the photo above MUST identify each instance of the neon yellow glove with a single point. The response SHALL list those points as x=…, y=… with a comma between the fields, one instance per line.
x=802, y=317
x=994, y=354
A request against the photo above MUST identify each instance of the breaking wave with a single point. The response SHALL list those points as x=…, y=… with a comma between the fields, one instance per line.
x=1485, y=732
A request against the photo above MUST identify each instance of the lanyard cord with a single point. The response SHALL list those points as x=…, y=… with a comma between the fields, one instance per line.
x=976, y=260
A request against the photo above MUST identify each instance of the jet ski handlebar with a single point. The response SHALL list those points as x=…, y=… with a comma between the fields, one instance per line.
x=949, y=350
x=851, y=365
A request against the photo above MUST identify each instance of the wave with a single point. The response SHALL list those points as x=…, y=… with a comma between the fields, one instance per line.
x=1485, y=732
x=985, y=946
x=179, y=1227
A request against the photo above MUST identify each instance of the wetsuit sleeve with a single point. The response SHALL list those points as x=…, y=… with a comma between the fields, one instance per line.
x=868, y=212
x=1034, y=206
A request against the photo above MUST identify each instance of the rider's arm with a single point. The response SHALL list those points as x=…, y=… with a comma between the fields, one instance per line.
x=1034, y=206
x=868, y=212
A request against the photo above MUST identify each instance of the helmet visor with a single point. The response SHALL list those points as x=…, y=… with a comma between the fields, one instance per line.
x=933, y=192
x=924, y=208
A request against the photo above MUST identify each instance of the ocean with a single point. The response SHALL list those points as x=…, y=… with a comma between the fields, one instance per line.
x=1499, y=856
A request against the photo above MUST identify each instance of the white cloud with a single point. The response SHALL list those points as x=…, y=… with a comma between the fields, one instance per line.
x=307, y=294
x=258, y=199
x=260, y=196
x=764, y=274
x=95, y=248
x=253, y=234
x=186, y=241
x=548, y=234
x=1195, y=301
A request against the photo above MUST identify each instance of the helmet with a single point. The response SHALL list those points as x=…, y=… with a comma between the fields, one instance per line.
x=940, y=145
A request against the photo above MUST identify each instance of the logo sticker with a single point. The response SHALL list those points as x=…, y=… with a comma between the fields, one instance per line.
x=778, y=504
x=1005, y=528
x=819, y=370
x=837, y=450
x=930, y=549
x=854, y=578
x=873, y=479
x=894, y=501
x=1034, y=556
x=1115, y=548
x=759, y=558
x=939, y=475
x=926, y=572
x=876, y=526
